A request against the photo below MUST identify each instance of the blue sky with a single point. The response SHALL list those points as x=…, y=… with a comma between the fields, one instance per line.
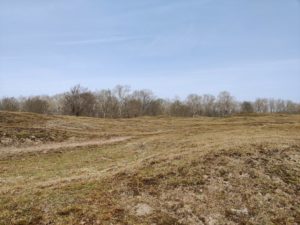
x=173, y=47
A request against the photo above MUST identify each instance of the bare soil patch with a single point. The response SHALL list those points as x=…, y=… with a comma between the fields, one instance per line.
x=45, y=148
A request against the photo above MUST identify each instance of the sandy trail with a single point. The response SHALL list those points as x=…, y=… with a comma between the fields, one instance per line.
x=7, y=151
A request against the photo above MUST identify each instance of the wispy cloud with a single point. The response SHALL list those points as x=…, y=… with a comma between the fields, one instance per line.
x=104, y=40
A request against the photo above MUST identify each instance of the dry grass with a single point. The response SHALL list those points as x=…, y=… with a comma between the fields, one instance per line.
x=237, y=170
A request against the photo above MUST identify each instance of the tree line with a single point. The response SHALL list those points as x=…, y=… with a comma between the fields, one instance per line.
x=121, y=102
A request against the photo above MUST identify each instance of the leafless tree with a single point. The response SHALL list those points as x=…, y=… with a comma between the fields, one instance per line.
x=79, y=101
x=156, y=107
x=145, y=97
x=280, y=105
x=122, y=93
x=73, y=101
x=133, y=108
x=272, y=105
x=121, y=103
x=226, y=104
x=56, y=103
x=36, y=105
x=88, y=104
x=9, y=104
x=247, y=107
x=292, y=107
x=107, y=104
x=194, y=102
x=178, y=108
x=209, y=106
x=261, y=105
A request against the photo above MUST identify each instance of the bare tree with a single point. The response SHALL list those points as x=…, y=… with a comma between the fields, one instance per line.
x=178, y=108
x=56, y=103
x=121, y=103
x=133, y=108
x=247, y=107
x=145, y=97
x=209, y=107
x=122, y=93
x=107, y=104
x=73, y=101
x=225, y=104
x=280, y=105
x=156, y=107
x=194, y=102
x=79, y=101
x=36, y=105
x=261, y=105
x=292, y=107
x=88, y=104
x=166, y=106
x=272, y=105
x=9, y=104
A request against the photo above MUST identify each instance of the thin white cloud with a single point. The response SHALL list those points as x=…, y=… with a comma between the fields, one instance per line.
x=105, y=40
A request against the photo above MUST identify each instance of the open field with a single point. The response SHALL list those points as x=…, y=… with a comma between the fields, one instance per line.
x=163, y=171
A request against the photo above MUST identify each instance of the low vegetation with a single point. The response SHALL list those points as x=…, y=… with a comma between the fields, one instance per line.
x=149, y=170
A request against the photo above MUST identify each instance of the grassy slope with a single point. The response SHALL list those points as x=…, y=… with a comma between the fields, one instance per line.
x=238, y=170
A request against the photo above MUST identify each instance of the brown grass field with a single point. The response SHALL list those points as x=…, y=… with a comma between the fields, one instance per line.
x=156, y=171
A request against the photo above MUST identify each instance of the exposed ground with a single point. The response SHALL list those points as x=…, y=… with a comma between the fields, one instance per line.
x=206, y=171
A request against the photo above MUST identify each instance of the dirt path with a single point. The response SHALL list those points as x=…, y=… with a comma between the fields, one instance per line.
x=7, y=151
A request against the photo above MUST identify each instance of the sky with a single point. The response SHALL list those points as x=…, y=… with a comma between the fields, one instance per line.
x=172, y=47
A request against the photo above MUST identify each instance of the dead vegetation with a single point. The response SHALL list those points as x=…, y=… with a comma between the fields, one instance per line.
x=237, y=170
